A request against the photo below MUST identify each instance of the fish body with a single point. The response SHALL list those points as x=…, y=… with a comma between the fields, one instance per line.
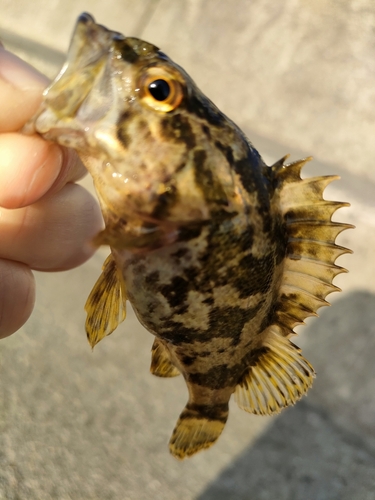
x=220, y=255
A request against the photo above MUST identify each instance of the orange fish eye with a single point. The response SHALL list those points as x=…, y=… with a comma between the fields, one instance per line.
x=161, y=91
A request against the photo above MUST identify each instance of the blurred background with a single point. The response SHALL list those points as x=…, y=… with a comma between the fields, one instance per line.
x=298, y=77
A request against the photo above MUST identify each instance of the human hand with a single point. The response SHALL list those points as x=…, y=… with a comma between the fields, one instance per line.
x=46, y=220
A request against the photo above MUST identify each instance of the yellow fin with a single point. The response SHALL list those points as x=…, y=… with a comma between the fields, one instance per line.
x=106, y=304
x=309, y=266
x=161, y=365
x=279, y=379
x=197, y=428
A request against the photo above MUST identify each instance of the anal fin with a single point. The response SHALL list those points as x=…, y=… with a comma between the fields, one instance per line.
x=106, y=304
x=161, y=365
x=279, y=379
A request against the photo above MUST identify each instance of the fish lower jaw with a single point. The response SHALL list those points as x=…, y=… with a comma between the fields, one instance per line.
x=67, y=138
x=84, y=137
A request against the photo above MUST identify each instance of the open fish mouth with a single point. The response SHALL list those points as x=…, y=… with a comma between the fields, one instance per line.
x=83, y=104
x=84, y=72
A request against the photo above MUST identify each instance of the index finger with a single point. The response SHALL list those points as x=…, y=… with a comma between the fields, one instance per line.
x=21, y=89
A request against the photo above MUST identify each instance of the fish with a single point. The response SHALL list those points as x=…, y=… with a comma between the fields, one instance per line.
x=220, y=255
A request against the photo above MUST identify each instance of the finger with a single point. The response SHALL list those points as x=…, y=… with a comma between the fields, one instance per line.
x=72, y=170
x=17, y=296
x=21, y=88
x=53, y=234
x=30, y=167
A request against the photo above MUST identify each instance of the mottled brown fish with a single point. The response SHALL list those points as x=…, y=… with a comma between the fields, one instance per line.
x=220, y=255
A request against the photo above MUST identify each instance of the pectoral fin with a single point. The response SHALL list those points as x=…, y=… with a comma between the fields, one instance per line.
x=106, y=304
x=279, y=379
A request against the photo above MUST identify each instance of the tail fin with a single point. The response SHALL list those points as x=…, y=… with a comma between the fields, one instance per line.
x=198, y=428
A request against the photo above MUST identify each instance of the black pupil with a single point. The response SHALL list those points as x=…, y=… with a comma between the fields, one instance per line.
x=159, y=89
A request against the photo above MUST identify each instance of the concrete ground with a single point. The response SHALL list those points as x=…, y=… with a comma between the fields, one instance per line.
x=298, y=77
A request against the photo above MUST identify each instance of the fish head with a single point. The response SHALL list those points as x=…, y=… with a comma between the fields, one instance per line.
x=156, y=147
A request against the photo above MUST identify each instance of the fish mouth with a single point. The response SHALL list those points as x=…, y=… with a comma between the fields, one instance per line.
x=73, y=101
x=86, y=89
x=91, y=46
x=83, y=97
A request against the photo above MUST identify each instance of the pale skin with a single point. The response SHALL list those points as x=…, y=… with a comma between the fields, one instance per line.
x=46, y=220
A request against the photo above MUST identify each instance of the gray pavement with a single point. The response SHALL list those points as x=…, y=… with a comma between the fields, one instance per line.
x=299, y=78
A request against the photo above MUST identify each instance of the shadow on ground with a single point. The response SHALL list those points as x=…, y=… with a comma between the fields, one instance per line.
x=304, y=455
x=323, y=449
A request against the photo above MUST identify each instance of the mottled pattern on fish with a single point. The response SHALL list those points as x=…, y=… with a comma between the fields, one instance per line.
x=219, y=255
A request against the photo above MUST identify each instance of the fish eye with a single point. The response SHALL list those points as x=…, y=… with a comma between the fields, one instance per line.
x=160, y=90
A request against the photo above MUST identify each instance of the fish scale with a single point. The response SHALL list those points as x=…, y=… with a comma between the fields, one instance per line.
x=220, y=255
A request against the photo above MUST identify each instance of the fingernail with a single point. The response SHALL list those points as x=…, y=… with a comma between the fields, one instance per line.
x=19, y=73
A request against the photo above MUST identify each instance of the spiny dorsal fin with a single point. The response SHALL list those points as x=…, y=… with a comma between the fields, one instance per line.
x=106, y=304
x=161, y=365
x=279, y=163
x=279, y=379
x=309, y=266
x=281, y=375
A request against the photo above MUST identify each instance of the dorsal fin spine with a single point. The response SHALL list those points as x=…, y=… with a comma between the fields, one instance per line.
x=309, y=266
x=315, y=287
x=325, y=272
